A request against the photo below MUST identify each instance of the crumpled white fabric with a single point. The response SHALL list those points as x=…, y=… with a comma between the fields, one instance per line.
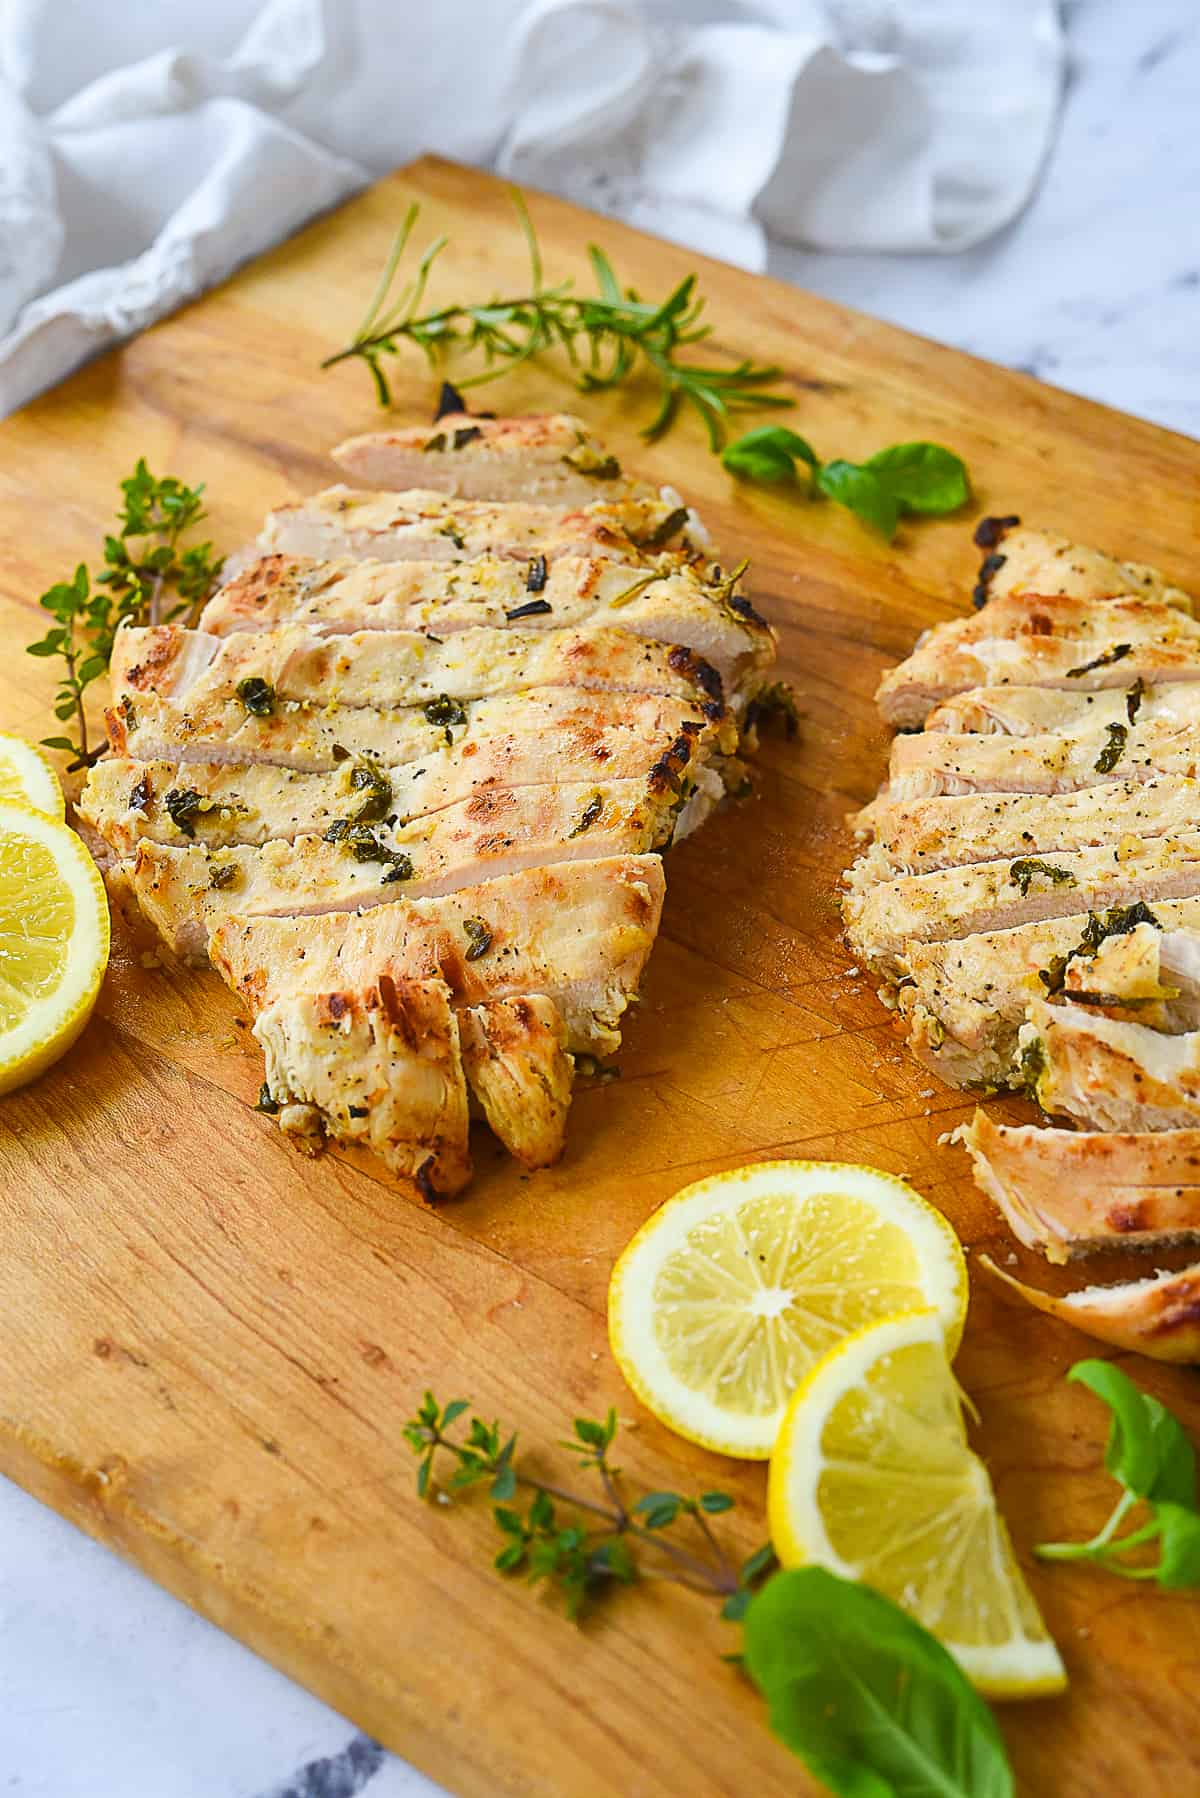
x=149, y=147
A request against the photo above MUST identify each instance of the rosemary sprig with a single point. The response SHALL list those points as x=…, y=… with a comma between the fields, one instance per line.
x=143, y=568
x=605, y=336
x=581, y=1545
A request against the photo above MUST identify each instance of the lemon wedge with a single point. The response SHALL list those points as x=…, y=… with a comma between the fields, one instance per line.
x=733, y=1289
x=873, y=1479
x=54, y=936
x=27, y=778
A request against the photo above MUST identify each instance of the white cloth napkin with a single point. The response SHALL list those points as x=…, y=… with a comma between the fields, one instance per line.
x=149, y=147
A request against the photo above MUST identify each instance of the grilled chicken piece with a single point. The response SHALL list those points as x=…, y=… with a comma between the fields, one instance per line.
x=964, y=1002
x=1071, y=1192
x=1018, y=560
x=1109, y=1073
x=379, y=1065
x=1147, y=975
x=934, y=762
x=1078, y=646
x=578, y=933
x=221, y=804
x=185, y=891
x=338, y=598
x=549, y=458
x=952, y=830
x=387, y=669
x=517, y=1066
x=1159, y=1317
x=423, y=526
x=557, y=729
x=1033, y=711
x=996, y=895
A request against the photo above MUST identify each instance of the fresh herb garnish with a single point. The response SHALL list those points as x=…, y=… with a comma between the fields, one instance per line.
x=144, y=569
x=360, y=841
x=480, y=937
x=444, y=711
x=1116, y=654
x=183, y=806
x=265, y=1102
x=222, y=875
x=909, y=477
x=1119, y=920
x=606, y=336
x=536, y=574
x=531, y=609
x=1114, y=749
x=665, y=529
x=367, y=777
x=593, y=462
x=1023, y=873
x=588, y=815
x=1133, y=699
x=869, y=1701
x=257, y=695
x=1149, y=1454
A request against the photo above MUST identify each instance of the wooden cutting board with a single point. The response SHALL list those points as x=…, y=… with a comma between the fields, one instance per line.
x=208, y=1345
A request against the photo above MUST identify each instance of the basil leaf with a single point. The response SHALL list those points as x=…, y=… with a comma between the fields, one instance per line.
x=922, y=477
x=862, y=493
x=1180, y=1538
x=867, y=1699
x=769, y=453
x=1148, y=1450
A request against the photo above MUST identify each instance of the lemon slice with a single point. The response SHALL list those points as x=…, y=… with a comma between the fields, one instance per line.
x=727, y=1296
x=27, y=778
x=53, y=941
x=873, y=1479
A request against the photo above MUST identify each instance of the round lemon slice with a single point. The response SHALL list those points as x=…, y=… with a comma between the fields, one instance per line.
x=730, y=1293
x=872, y=1478
x=27, y=778
x=54, y=937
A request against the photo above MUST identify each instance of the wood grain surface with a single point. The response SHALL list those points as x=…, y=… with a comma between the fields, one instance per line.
x=208, y=1345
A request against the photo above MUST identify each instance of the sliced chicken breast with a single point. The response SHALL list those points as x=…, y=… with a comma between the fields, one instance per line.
x=678, y=605
x=953, y=830
x=1158, y=1317
x=578, y=933
x=1019, y=559
x=571, y=730
x=1071, y=1192
x=1033, y=711
x=964, y=1002
x=424, y=526
x=997, y=895
x=549, y=458
x=518, y=1067
x=185, y=891
x=1109, y=1073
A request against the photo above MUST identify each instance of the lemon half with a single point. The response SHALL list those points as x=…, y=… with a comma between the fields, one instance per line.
x=873, y=1479
x=54, y=938
x=735, y=1288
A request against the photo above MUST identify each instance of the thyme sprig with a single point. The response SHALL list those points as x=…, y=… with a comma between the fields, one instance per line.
x=144, y=570
x=605, y=336
x=579, y=1544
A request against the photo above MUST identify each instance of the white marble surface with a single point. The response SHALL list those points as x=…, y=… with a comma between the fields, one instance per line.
x=111, y=1689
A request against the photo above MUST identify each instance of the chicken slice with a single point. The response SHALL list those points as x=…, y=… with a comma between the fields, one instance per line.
x=419, y=525
x=221, y=804
x=1018, y=560
x=1158, y=1317
x=934, y=762
x=1109, y=1073
x=549, y=458
x=543, y=732
x=376, y=1064
x=185, y=891
x=952, y=830
x=517, y=1066
x=996, y=895
x=578, y=933
x=388, y=669
x=1129, y=648
x=1033, y=711
x=675, y=605
x=1071, y=1192
x=964, y=1002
